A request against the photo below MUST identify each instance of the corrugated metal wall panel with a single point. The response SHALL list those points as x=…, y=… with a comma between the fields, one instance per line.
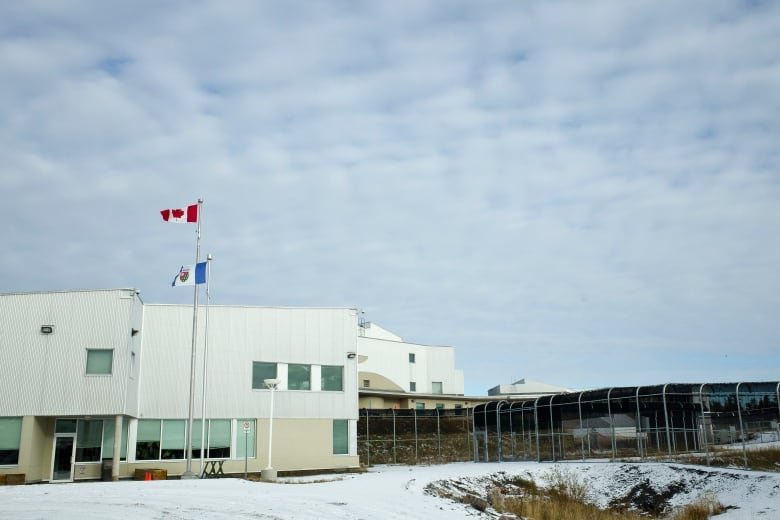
x=45, y=374
x=237, y=337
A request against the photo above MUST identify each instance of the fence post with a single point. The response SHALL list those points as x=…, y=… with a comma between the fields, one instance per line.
x=438, y=432
x=395, y=459
x=741, y=430
x=368, y=443
x=611, y=424
x=416, y=461
x=638, y=425
x=582, y=428
x=536, y=427
x=666, y=422
x=552, y=429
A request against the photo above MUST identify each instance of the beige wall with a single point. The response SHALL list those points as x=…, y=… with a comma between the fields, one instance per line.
x=298, y=444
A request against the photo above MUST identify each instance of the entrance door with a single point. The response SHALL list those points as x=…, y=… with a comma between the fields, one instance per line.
x=62, y=467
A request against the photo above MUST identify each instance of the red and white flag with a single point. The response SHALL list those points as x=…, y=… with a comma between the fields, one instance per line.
x=188, y=214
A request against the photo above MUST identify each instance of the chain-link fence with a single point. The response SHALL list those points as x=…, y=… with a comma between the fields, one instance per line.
x=396, y=436
x=661, y=421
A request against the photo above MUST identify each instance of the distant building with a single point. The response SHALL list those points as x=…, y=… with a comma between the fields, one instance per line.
x=527, y=389
x=393, y=373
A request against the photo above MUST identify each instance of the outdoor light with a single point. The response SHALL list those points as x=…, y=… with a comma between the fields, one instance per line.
x=351, y=355
x=47, y=329
x=269, y=473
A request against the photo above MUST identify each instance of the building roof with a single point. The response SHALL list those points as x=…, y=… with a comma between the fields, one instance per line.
x=527, y=387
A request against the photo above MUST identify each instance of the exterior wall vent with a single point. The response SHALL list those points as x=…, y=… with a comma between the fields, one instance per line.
x=47, y=329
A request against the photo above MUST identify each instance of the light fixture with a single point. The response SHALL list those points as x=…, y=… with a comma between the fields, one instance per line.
x=47, y=329
x=133, y=332
x=351, y=355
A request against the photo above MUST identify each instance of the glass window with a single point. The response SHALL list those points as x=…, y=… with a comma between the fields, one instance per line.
x=65, y=426
x=420, y=406
x=219, y=439
x=260, y=372
x=173, y=439
x=412, y=386
x=99, y=361
x=332, y=378
x=147, y=444
x=436, y=387
x=340, y=437
x=10, y=439
x=89, y=437
x=246, y=442
x=411, y=357
x=108, y=439
x=298, y=377
x=196, y=437
x=440, y=406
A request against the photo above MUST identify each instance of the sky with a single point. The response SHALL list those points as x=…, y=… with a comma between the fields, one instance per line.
x=580, y=193
x=391, y=492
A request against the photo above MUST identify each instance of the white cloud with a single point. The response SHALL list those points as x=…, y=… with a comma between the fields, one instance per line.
x=523, y=181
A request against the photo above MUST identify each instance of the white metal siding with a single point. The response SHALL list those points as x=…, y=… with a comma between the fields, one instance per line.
x=44, y=374
x=237, y=336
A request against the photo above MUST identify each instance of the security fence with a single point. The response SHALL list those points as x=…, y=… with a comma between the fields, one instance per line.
x=404, y=436
x=661, y=421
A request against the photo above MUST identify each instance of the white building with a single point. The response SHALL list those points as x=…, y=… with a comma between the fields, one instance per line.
x=526, y=388
x=396, y=373
x=78, y=366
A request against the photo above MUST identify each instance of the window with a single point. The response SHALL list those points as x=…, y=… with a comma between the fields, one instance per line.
x=147, y=444
x=108, y=439
x=366, y=383
x=298, y=377
x=340, y=437
x=412, y=386
x=260, y=372
x=99, y=361
x=246, y=443
x=217, y=439
x=440, y=406
x=89, y=437
x=65, y=426
x=420, y=406
x=411, y=357
x=332, y=378
x=10, y=439
x=436, y=387
x=173, y=434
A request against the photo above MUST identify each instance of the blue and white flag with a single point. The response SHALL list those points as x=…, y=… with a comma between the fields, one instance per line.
x=190, y=275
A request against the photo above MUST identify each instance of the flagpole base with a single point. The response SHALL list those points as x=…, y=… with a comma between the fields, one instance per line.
x=268, y=474
x=189, y=475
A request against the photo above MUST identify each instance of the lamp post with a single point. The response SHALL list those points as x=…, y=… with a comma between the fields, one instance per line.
x=269, y=473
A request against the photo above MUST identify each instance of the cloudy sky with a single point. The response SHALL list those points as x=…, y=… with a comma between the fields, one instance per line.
x=582, y=193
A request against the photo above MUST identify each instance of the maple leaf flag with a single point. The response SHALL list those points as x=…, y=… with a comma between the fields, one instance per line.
x=188, y=214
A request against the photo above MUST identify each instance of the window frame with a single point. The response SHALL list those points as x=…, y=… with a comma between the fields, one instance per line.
x=99, y=374
x=298, y=385
x=441, y=387
x=13, y=424
x=323, y=378
x=262, y=382
x=343, y=445
x=412, y=386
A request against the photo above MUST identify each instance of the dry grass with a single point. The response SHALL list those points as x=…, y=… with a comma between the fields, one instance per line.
x=705, y=507
x=761, y=459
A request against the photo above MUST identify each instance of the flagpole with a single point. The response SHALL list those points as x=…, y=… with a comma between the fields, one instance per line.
x=205, y=358
x=188, y=473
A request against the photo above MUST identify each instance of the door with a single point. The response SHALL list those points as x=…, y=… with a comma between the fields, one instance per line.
x=62, y=466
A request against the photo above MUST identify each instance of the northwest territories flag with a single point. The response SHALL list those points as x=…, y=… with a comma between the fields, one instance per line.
x=190, y=275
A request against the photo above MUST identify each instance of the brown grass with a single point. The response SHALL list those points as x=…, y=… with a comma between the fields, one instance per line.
x=762, y=459
x=705, y=507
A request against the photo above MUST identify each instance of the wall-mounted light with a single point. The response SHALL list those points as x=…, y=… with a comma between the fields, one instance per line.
x=47, y=329
x=351, y=355
x=133, y=332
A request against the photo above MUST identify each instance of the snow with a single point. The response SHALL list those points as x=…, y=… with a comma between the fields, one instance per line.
x=388, y=492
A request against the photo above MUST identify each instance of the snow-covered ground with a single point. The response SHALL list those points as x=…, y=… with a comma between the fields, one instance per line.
x=388, y=492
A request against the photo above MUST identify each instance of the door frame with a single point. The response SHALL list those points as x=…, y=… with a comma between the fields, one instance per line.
x=58, y=436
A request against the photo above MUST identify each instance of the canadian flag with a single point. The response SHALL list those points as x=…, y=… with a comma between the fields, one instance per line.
x=188, y=214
